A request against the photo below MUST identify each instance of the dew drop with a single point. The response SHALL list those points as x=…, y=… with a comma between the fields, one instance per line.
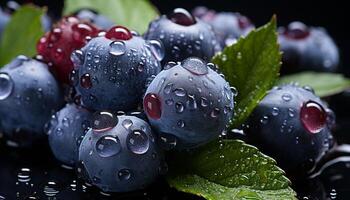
x=6, y=85
x=152, y=106
x=117, y=48
x=138, y=142
x=108, y=146
x=124, y=174
x=313, y=117
x=103, y=121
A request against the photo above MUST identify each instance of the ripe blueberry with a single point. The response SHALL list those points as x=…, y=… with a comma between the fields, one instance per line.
x=56, y=46
x=183, y=36
x=29, y=95
x=307, y=48
x=119, y=153
x=113, y=70
x=182, y=97
x=228, y=26
x=67, y=129
x=95, y=18
x=292, y=125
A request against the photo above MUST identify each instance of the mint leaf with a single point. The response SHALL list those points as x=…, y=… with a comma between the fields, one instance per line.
x=324, y=84
x=21, y=34
x=135, y=15
x=229, y=169
x=252, y=67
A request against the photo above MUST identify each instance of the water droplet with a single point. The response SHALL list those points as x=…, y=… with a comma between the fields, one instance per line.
x=108, y=146
x=215, y=112
x=204, y=102
x=169, y=102
x=287, y=97
x=275, y=111
x=308, y=88
x=124, y=174
x=191, y=103
x=180, y=92
x=291, y=112
x=6, y=85
x=195, y=65
x=313, y=117
x=170, y=65
x=51, y=189
x=264, y=120
x=77, y=57
x=181, y=123
x=167, y=141
x=179, y=107
x=117, y=48
x=65, y=122
x=138, y=142
x=85, y=81
x=167, y=88
x=103, y=121
x=152, y=106
x=157, y=49
x=23, y=175
x=127, y=123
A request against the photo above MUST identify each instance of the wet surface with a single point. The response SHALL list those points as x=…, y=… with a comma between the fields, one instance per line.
x=34, y=174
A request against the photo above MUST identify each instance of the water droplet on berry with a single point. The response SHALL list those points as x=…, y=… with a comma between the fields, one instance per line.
x=108, y=146
x=167, y=88
x=167, y=141
x=204, y=102
x=182, y=17
x=103, y=121
x=124, y=174
x=181, y=123
x=287, y=97
x=81, y=31
x=73, y=78
x=191, y=103
x=55, y=34
x=275, y=111
x=180, y=92
x=169, y=65
x=85, y=81
x=59, y=131
x=127, y=123
x=118, y=33
x=195, y=66
x=137, y=142
x=152, y=105
x=77, y=57
x=313, y=117
x=6, y=85
x=308, y=88
x=215, y=112
x=157, y=49
x=169, y=102
x=264, y=119
x=117, y=48
x=179, y=107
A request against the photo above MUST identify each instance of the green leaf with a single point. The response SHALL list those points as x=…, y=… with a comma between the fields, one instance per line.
x=324, y=84
x=229, y=169
x=21, y=34
x=134, y=14
x=252, y=67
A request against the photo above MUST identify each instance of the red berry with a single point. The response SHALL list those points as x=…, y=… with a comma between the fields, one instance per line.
x=118, y=33
x=152, y=106
x=313, y=117
x=56, y=46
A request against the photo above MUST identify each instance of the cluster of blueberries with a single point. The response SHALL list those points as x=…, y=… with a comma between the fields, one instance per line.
x=112, y=101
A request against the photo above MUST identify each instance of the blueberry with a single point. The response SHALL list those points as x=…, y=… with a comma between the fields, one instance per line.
x=228, y=26
x=113, y=70
x=307, y=48
x=292, y=125
x=67, y=129
x=29, y=95
x=4, y=19
x=182, y=97
x=95, y=18
x=183, y=36
x=119, y=153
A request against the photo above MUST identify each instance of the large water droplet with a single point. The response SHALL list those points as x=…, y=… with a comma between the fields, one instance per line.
x=195, y=65
x=313, y=117
x=138, y=142
x=6, y=85
x=85, y=81
x=117, y=48
x=103, y=121
x=124, y=174
x=108, y=146
x=77, y=57
x=127, y=123
x=180, y=92
x=157, y=49
x=287, y=97
x=179, y=107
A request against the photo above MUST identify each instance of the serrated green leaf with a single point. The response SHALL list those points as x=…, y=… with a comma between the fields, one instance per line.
x=324, y=84
x=135, y=15
x=229, y=169
x=252, y=67
x=21, y=34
